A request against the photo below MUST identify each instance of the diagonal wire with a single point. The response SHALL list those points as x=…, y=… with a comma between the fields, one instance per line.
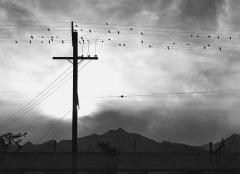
x=40, y=101
x=38, y=95
x=52, y=127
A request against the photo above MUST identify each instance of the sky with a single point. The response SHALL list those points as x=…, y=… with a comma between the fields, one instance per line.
x=133, y=70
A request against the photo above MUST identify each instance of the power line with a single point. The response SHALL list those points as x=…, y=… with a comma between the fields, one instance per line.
x=116, y=25
x=42, y=99
x=158, y=94
x=52, y=127
x=34, y=104
x=38, y=95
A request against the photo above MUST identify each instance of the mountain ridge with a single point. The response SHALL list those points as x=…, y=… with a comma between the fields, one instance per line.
x=118, y=138
x=126, y=141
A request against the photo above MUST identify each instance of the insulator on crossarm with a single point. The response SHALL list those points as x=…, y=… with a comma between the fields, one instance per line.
x=62, y=41
x=31, y=37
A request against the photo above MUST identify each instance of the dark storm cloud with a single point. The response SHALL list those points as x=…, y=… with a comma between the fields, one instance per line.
x=188, y=124
x=14, y=11
x=40, y=128
x=200, y=12
x=111, y=119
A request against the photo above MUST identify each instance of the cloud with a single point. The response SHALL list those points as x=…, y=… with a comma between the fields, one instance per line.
x=14, y=11
x=141, y=70
x=202, y=12
x=193, y=123
x=186, y=124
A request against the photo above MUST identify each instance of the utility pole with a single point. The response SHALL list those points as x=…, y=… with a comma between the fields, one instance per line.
x=75, y=104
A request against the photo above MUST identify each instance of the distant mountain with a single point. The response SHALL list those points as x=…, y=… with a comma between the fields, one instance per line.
x=119, y=139
x=231, y=144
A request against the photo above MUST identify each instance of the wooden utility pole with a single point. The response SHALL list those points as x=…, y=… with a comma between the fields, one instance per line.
x=74, y=61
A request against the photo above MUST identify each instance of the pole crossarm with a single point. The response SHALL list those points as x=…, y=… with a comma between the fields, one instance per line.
x=79, y=58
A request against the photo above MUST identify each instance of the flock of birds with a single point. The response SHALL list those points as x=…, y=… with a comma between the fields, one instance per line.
x=58, y=36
